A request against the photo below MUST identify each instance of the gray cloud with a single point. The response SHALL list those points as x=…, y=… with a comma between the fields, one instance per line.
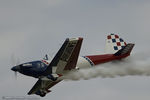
x=31, y=28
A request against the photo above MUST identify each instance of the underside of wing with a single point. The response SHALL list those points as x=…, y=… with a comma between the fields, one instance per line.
x=41, y=87
x=67, y=56
x=65, y=60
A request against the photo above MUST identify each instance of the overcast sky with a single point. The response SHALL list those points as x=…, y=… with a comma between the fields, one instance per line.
x=31, y=28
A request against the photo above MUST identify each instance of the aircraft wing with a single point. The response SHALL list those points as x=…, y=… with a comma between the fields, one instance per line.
x=67, y=56
x=42, y=84
x=65, y=59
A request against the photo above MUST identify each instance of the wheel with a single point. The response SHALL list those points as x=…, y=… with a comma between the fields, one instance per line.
x=42, y=94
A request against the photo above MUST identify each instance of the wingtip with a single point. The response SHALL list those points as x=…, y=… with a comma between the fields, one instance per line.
x=80, y=38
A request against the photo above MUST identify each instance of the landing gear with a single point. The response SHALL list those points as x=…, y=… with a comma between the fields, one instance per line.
x=40, y=93
x=52, y=77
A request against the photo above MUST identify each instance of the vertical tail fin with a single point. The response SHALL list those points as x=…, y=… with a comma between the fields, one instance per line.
x=114, y=43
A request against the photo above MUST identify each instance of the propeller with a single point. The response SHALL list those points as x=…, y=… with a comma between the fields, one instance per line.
x=15, y=61
x=15, y=75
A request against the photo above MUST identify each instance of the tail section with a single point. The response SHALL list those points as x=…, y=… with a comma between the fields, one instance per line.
x=125, y=50
x=114, y=43
x=116, y=49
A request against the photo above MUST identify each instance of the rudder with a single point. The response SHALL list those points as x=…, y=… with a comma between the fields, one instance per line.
x=114, y=43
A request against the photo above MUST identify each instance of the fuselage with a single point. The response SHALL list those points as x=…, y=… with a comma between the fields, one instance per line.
x=36, y=69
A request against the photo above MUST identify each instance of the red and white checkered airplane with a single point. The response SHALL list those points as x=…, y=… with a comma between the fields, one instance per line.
x=67, y=59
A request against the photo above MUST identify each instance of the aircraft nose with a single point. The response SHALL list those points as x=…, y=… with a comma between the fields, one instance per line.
x=15, y=68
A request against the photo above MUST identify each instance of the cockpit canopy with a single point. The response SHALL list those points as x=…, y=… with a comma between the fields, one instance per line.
x=38, y=64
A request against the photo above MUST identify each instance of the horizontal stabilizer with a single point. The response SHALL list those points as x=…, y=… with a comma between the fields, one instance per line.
x=125, y=50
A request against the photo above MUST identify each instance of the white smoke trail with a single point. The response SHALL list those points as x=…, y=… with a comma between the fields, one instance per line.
x=135, y=65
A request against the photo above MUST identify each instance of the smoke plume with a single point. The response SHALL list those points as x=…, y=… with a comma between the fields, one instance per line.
x=135, y=65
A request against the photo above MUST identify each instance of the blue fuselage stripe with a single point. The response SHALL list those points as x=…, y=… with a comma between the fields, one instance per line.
x=91, y=63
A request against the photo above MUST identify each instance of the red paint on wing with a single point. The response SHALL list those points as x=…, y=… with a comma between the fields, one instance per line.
x=59, y=75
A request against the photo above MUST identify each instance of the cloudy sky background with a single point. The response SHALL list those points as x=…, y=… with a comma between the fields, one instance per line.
x=31, y=28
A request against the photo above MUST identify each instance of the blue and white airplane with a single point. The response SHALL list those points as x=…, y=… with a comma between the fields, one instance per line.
x=67, y=59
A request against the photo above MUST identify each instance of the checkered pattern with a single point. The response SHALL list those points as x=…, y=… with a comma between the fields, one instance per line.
x=118, y=43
